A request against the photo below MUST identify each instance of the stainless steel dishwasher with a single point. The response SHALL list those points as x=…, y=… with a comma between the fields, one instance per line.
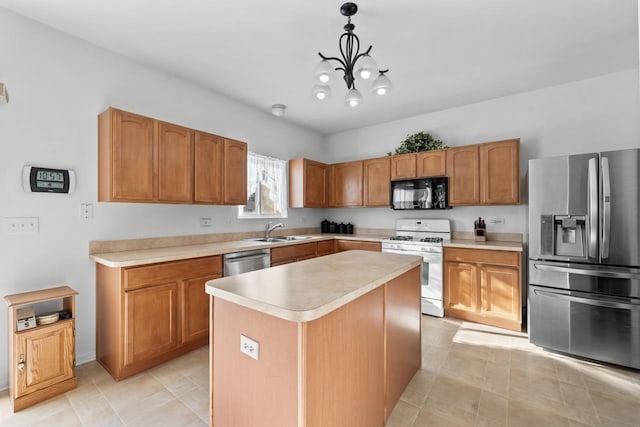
x=243, y=262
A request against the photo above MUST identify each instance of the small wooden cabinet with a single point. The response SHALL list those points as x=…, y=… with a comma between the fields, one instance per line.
x=308, y=184
x=345, y=184
x=208, y=168
x=41, y=359
x=464, y=175
x=483, y=286
x=175, y=163
x=326, y=247
x=141, y=159
x=377, y=178
x=292, y=253
x=500, y=172
x=235, y=172
x=431, y=163
x=403, y=166
x=126, y=157
x=364, y=245
x=148, y=314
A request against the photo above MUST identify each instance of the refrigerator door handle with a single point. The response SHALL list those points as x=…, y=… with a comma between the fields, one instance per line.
x=606, y=208
x=615, y=274
x=599, y=301
x=593, y=209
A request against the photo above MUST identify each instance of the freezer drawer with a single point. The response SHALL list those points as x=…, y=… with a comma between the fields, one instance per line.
x=585, y=324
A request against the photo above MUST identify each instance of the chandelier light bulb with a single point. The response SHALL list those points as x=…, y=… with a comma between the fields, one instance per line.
x=381, y=85
x=325, y=73
x=353, y=98
x=365, y=67
x=321, y=92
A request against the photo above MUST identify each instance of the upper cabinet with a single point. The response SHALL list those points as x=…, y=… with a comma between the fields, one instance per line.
x=345, y=184
x=403, y=166
x=431, y=163
x=175, y=163
x=464, y=177
x=235, y=172
x=127, y=151
x=141, y=159
x=308, y=182
x=484, y=174
x=500, y=172
x=208, y=168
x=377, y=175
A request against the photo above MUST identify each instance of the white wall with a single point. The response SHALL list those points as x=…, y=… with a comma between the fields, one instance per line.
x=591, y=115
x=58, y=85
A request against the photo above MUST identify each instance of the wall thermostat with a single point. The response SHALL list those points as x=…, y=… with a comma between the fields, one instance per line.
x=46, y=180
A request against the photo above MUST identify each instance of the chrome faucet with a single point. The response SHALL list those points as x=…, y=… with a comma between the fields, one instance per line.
x=269, y=228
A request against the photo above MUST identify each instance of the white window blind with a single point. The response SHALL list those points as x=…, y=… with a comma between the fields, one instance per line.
x=266, y=188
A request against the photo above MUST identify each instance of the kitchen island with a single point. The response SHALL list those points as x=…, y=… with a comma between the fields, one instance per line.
x=335, y=341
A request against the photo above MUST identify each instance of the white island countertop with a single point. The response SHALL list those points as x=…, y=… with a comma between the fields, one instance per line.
x=307, y=290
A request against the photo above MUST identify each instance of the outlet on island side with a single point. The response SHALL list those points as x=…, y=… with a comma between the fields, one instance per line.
x=249, y=347
x=206, y=222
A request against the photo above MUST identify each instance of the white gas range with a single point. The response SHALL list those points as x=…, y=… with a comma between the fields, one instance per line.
x=423, y=237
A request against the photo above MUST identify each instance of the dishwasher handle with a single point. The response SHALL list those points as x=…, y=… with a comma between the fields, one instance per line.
x=243, y=258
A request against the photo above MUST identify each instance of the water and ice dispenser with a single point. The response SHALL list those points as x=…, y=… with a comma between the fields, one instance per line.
x=564, y=235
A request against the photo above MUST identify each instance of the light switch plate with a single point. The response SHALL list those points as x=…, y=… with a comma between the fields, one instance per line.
x=249, y=347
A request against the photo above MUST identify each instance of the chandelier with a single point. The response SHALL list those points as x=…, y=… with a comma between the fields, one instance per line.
x=353, y=64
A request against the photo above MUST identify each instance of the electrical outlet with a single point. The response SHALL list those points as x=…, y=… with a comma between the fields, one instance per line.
x=22, y=225
x=249, y=347
x=206, y=222
x=86, y=210
x=497, y=221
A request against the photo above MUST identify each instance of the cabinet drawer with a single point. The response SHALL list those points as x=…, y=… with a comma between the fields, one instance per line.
x=137, y=277
x=293, y=251
x=325, y=247
x=482, y=256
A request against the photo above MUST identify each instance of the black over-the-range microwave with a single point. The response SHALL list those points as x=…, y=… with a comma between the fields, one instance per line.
x=420, y=193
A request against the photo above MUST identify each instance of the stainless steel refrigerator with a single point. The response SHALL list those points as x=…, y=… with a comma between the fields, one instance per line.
x=584, y=255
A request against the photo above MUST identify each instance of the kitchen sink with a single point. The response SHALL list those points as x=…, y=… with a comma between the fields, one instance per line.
x=279, y=239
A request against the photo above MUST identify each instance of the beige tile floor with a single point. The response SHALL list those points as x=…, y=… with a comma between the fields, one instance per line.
x=472, y=375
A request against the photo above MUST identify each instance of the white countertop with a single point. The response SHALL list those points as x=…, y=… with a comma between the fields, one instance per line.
x=307, y=290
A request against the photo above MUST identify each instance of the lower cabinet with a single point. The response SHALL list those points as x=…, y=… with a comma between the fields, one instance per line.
x=363, y=245
x=326, y=247
x=149, y=314
x=483, y=286
x=288, y=254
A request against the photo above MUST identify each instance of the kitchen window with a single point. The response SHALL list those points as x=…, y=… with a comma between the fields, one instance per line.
x=266, y=188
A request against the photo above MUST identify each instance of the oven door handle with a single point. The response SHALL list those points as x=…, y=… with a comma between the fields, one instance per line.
x=599, y=301
x=429, y=256
x=615, y=274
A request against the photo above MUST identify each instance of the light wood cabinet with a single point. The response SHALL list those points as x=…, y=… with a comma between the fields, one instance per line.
x=431, y=163
x=127, y=153
x=292, y=253
x=500, y=172
x=141, y=159
x=235, y=172
x=308, y=184
x=483, y=286
x=146, y=315
x=41, y=359
x=345, y=184
x=208, y=168
x=377, y=178
x=347, y=245
x=175, y=163
x=326, y=247
x=403, y=166
x=464, y=175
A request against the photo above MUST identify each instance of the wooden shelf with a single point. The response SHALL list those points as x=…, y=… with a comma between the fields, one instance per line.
x=41, y=327
x=39, y=296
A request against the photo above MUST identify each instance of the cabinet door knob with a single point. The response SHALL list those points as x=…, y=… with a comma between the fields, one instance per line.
x=21, y=364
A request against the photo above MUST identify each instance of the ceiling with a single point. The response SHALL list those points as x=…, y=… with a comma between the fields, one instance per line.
x=441, y=53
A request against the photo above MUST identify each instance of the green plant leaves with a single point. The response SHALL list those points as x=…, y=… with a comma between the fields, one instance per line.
x=420, y=141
